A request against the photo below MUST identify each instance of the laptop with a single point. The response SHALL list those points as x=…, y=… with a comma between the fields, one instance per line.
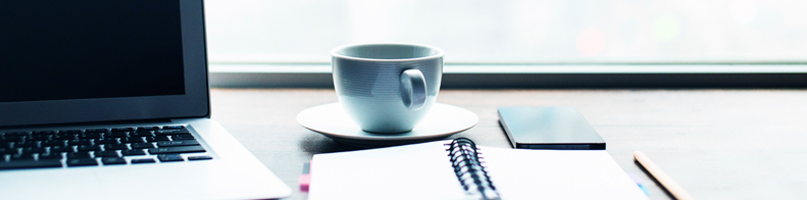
x=108, y=99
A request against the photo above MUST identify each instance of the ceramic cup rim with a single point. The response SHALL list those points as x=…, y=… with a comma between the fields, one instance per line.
x=439, y=53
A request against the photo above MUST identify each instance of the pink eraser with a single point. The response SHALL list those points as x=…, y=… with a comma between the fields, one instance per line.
x=305, y=181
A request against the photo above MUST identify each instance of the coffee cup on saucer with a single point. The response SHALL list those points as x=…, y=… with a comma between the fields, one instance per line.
x=387, y=88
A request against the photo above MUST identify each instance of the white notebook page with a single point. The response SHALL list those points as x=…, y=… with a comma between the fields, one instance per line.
x=423, y=171
x=557, y=174
x=420, y=171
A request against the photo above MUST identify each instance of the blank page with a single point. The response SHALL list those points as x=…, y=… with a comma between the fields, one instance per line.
x=420, y=171
x=557, y=174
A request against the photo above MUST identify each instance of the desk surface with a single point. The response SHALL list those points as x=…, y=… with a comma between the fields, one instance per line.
x=717, y=144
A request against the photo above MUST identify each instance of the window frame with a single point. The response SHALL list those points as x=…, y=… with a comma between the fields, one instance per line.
x=552, y=75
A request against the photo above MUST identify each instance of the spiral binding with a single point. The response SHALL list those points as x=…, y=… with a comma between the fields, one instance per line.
x=469, y=169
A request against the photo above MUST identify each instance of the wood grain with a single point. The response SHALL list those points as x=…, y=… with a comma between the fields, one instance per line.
x=718, y=144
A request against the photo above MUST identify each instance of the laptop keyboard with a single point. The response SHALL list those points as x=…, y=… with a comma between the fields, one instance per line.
x=98, y=147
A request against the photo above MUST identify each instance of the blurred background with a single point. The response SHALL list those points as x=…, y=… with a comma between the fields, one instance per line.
x=514, y=31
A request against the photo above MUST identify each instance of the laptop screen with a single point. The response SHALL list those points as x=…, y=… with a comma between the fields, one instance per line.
x=57, y=50
x=91, y=61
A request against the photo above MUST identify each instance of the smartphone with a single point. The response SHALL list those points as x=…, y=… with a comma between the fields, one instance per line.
x=548, y=128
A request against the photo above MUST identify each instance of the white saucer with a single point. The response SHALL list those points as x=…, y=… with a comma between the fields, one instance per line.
x=331, y=120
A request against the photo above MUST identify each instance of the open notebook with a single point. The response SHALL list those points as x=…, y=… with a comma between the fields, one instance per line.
x=430, y=171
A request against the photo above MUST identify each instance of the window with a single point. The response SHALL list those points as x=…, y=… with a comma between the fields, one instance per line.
x=517, y=36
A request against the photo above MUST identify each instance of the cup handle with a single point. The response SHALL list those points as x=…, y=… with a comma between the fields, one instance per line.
x=413, y=89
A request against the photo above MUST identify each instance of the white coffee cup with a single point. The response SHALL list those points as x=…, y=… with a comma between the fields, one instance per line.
x=387, y=88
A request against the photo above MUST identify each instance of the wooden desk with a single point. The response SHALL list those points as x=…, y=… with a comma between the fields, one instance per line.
x=718, y=144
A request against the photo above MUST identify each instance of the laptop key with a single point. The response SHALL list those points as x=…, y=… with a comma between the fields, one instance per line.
x=6, y=144
x=8, y=151
x=177, y=143
x=148, y=128
x=143, y=160
x=178, y=131
x=106, y=141
x=113, y=161
x=132, y=140
x=59, y=149
x=43, y=132
x=183, y=137
x=123, y=129
x=102, y=130
x=157, y=138
x=173, y=127
x=30, y=164
x=106, y=154
x=192, y=158
x=91, y=135
x=83, y=148
x=40, y=137
x=15, y=136
x=76, y=155
x=31, y=150
x=142, y=145
x=141, y=133
x=117, y=134
x=51, y=156
x=170, y=158
x=70, y=131
x=133, y=152
x=26, y=144
x=116, y=147
x=53, y=143
x=24, y=156
x=75, y=162
x=80, y=142
x=67, y=135
x=180, y=149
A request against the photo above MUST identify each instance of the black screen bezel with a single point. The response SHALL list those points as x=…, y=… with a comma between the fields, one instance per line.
x=194, y=103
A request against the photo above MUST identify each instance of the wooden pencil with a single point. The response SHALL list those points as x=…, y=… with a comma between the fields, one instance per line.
x=676, y=190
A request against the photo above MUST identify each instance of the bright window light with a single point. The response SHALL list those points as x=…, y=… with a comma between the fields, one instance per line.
x=514, y=31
